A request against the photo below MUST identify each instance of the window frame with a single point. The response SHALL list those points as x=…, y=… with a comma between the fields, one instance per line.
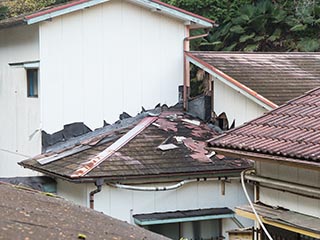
x=32, y=82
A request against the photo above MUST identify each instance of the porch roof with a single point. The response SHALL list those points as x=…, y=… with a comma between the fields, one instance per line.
x=283, y=218
x=183, y=216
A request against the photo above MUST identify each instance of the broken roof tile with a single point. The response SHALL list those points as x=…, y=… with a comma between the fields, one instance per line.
x=140, y=157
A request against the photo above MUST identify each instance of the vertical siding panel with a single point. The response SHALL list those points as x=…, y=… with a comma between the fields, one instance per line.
x=151, y=67
x=93, y=102
x=113, y=71
x=288, y=200
x=52, y=75
x=131, y=48
x=127, y=57
x=234, y=104
x=167, y=201
x=73, y=88
x=20, y=116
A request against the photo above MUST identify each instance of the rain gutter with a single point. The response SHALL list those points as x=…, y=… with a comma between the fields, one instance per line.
x=268, y=158
x=283, y=185
x=180, y=220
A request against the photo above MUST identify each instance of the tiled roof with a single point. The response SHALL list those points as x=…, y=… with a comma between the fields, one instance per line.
x=29, y=214
x=141, y=157
x=291, y=131
x=279, y=77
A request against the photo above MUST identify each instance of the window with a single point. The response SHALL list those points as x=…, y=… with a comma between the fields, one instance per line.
x=32, y=82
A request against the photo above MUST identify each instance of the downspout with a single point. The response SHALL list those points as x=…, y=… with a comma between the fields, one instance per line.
x=186, y=79
x=98, y=184
x=283, y=185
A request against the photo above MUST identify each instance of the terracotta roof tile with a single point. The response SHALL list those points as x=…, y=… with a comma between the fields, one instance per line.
x=278, y=77
x=292, y=130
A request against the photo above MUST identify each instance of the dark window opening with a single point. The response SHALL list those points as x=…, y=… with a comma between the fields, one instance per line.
x=32, y=82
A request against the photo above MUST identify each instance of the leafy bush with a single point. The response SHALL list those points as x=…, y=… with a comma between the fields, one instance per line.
x=263, y=25
x=12, y=8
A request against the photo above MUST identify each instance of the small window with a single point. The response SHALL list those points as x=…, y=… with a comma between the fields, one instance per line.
x=32, y=82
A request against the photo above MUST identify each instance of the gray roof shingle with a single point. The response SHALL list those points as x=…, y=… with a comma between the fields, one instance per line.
x=279, y=77
x=141, y=157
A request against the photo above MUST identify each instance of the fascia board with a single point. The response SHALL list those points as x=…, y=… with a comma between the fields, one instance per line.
x=174, y=13
x=67, y=10
x=146, y=3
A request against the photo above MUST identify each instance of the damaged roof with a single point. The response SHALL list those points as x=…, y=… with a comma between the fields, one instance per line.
x=168, y=144
x=277, y=77
x=288, y=134
x=71, y=6
x=287, y=219
x=29, y=214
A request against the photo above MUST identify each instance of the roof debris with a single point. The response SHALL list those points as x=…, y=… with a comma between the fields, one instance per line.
x=109, y=151
x=194, y=122
x=165, y=145
x=198, y=147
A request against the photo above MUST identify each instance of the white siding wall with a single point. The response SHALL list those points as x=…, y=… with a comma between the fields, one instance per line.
x=107, y=59
x=121, y=203
x=288, y=200
x=20, y=116
x=234, y=104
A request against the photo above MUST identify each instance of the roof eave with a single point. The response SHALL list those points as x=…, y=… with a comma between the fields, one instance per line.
x=218, y=174
x=268, y=158
x=48, y=14
x=234, y=84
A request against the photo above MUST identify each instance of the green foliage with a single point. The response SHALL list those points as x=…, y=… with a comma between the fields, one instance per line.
x=3, y=12
x=14, y=8
x=262, y=25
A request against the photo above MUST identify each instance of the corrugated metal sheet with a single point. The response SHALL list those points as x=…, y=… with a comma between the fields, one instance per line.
x=278, y=77
x=292, y=131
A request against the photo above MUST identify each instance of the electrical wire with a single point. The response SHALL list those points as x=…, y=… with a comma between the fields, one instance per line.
x=251, y=204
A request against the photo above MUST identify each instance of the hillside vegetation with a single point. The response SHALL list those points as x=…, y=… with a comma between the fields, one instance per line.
x=265, y=25
x=243, y=25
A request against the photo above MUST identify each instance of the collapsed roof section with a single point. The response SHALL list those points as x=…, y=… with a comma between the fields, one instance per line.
x=162, y=143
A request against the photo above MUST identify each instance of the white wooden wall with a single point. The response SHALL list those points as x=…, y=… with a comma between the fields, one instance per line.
x=20, y=116
x=121, y=203
x=288, y=200
x=234, y=104
x=107, y=59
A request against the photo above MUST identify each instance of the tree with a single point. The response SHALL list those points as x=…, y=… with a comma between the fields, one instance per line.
x=14, y=8
x=262, y=25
